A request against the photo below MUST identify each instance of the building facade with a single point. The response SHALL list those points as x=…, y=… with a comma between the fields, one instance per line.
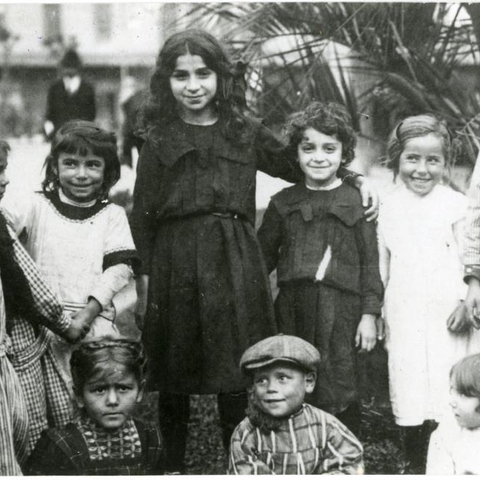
x=114, y=40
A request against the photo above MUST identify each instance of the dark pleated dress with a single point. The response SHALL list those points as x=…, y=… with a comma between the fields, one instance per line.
x=193, y=225
x=326, y=257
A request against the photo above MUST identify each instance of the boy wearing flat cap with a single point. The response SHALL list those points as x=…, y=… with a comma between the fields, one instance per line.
x=281, y=434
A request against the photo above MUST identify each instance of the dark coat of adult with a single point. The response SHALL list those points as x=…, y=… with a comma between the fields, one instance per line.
x=62, y=106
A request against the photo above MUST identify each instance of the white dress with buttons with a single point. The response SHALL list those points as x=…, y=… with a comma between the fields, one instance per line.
x=420, y=263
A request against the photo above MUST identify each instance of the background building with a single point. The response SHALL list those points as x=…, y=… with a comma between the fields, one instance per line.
x=114, y=40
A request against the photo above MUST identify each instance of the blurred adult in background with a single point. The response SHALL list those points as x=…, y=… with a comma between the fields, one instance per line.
x=70, y=97
x=131, y=100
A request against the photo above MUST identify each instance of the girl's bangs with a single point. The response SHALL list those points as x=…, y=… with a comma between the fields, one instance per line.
x=465, y=376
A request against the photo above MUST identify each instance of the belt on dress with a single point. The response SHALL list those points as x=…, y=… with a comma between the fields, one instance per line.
x=202, y=214
x=225, y=215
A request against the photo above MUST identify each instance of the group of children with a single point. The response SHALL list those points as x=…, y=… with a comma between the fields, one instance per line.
x=209, y=325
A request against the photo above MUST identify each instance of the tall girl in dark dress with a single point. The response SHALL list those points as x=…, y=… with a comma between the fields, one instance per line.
x=203, y=286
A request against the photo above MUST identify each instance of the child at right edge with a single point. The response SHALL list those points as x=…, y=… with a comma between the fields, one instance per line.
x=454, y=446
x=282, y=435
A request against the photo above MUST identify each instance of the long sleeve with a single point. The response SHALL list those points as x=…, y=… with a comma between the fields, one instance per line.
x=46, y=303
x=343, y=453
x=371, y=283
x=143, y=216
x=312, y=442
x=112, y=280
x=270, y=236
x=274, y=158
x=243, y=458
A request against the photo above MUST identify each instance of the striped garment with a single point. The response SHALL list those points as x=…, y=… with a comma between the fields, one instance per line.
x=309, y=442
x=29, y=355
x=471, y=236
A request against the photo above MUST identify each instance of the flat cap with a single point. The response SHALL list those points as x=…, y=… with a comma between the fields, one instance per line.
x=280, y=348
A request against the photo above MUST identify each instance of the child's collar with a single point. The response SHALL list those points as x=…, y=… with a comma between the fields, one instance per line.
x=68, y=201
x=335, y=184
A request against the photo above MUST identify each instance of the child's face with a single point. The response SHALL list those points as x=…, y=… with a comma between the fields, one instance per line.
x=280, y=389
x=422, y=163
x=81, y=177
x=4, y=181
x=194, y=87
x=465, y=409
x=319, y=156
x=110, y=397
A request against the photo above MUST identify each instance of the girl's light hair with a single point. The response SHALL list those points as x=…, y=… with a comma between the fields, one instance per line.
x=465, y=376
x=93, y=356
x=83, y=137
x=419, y=126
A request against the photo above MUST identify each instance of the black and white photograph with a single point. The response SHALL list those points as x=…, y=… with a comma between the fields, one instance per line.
x=239, y=238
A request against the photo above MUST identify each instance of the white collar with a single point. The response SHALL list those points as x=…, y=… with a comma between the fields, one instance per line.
x=65, y=199
x=336, y=183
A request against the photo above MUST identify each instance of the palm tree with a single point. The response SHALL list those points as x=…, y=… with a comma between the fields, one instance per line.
x=382, y=60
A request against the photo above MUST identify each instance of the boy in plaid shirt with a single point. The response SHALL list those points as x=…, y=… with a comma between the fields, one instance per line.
x=281, y=434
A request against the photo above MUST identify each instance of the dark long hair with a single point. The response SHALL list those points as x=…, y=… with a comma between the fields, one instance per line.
x=82, y=137
x=161, y=108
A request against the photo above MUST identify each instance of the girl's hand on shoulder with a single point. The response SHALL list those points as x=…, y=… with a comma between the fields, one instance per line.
x=366, y=336
x=370, y=197
x=458, y=322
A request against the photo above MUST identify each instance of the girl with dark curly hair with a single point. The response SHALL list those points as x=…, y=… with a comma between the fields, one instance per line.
x=325, y=252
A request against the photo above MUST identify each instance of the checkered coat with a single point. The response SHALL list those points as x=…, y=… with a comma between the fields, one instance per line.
x=29, y=345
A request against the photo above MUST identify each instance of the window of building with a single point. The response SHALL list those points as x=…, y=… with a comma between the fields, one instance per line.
x=52, y=20
x=103, y=20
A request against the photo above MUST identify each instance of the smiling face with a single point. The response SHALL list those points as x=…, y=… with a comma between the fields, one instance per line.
x=280, y=389
x=194, y=87
x=4, y=181
x=319, y=156
x=110, y=397
x=422, y=163
x=81, y=177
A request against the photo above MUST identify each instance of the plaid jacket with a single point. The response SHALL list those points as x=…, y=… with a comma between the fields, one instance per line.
x=65, y=452
x=29, y=343
x=309, y=442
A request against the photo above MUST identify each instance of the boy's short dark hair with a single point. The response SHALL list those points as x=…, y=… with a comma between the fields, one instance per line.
x=328, y=118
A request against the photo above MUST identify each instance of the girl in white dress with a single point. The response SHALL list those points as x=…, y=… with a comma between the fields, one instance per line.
x=83, y=247
x=426, y=327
